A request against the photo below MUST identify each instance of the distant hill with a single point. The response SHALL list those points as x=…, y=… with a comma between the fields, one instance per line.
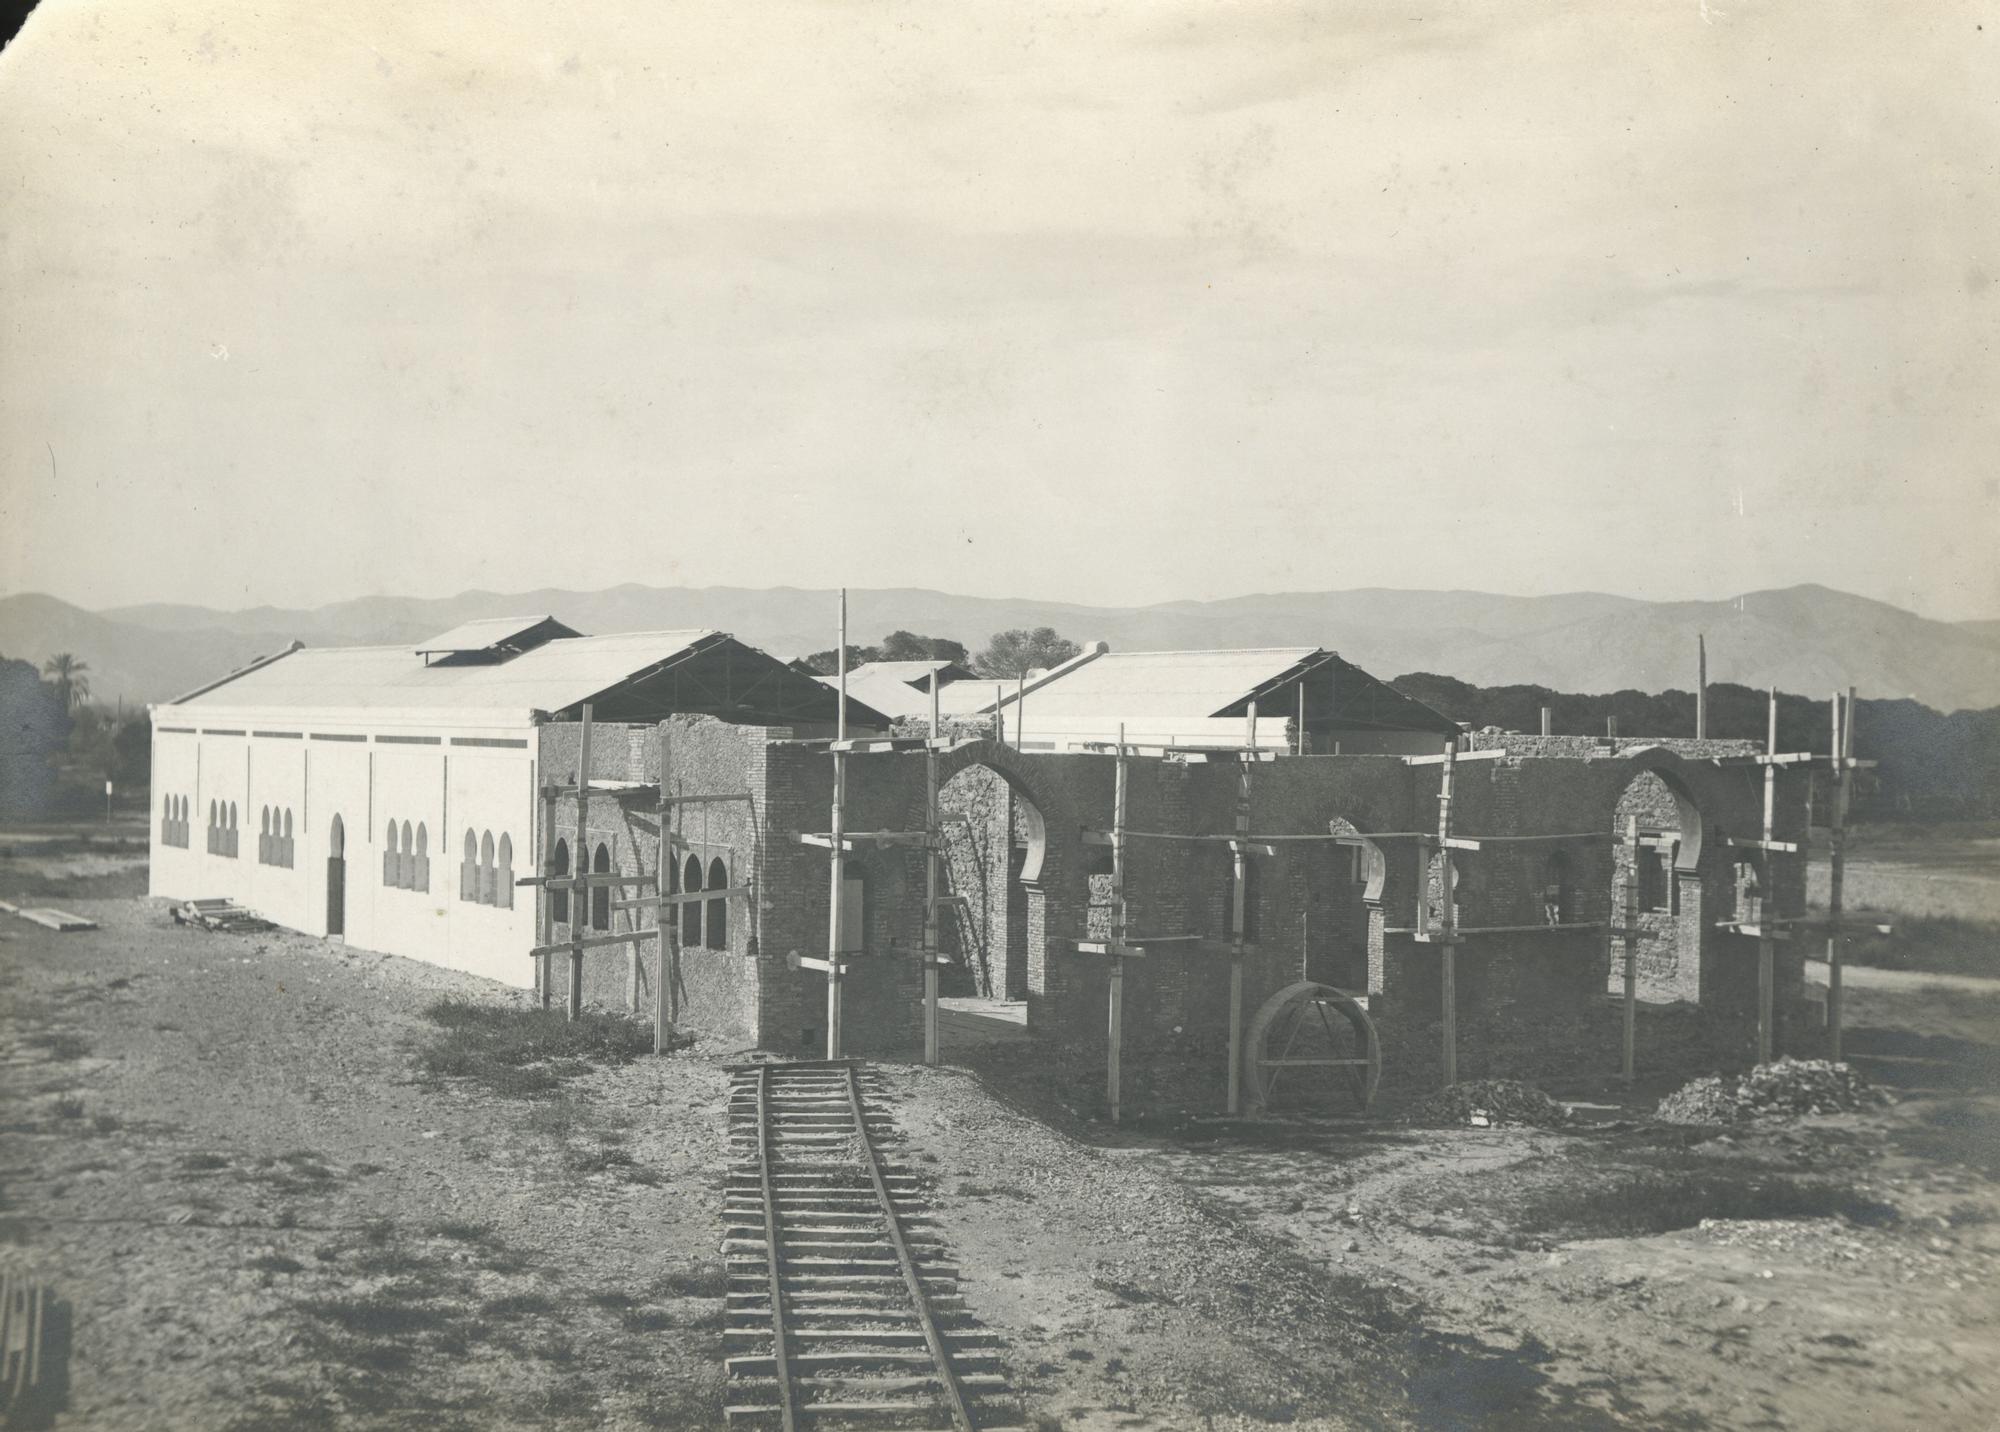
x=1804, y=639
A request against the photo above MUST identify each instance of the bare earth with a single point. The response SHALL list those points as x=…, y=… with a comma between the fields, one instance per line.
x=219, y=1150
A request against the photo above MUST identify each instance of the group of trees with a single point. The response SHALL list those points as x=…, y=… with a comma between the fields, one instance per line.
x=56, y=748
x=1007, y=654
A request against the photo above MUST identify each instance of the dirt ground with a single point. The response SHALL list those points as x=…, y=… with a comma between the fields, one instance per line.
x=224, y=1152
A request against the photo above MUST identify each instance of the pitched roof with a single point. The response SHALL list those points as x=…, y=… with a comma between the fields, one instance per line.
x=1177, y=685
x=489, y=633
x=902, y=688
x=550, y=677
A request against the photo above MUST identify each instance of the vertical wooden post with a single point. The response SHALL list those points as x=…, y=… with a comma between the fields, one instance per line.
x=1449, y=923
x=1843, y=752
x=1251, y=726
x=1118, y=915
x=1020, y=707
x=666, y=918
x=1548, y=720
x=1630, y=901
x=1303, y=747
x=932, y=829
x=580, y=893
x=1701, y=688
x=1766, y=948
x=546, y=914
x=999, y=717
x=1611, y=727
x=1240, y=859
x=836, y=905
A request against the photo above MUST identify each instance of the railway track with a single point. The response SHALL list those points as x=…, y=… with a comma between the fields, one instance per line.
x=843, y=1310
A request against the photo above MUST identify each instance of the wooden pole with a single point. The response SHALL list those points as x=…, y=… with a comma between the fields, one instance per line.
x=579, y=900
x=1630, y=901
x=666, y=918
x=1843, y=749
x=1548, y=720
x=931, y=835
x=1611, y=727
x=1240, y=858
x=546, y=922
x=1251, y=724
x=1766, y=948
x=1118, y=915
x=999, y=718
x=1701, y=688
x=1302, y=717
x=1449, y=904
x=1020, y=706
x=836, y=905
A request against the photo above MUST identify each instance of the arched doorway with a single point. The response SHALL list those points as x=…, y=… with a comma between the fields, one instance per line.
x=1656, y=846
x=336, y=879
x=995, y=841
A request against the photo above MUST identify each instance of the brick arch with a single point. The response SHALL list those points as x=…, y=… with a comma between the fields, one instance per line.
x=1683, y=782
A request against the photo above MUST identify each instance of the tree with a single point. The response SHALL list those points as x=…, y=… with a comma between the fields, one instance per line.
x=908, y=646
x=827, y=663
x=71, y=683
x=1020, y=651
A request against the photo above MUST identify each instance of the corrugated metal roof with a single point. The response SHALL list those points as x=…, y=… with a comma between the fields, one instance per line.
x=550, y=677
x=487, y=633
x=1159, y=683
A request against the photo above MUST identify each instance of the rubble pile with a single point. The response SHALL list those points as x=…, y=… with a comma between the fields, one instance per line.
x=1787, y=1088
x=1488, y=1104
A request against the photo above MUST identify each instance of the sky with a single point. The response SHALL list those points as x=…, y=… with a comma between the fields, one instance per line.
x=1116, y=303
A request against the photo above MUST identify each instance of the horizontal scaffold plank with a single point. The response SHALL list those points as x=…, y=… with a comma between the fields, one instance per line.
x=591, y=942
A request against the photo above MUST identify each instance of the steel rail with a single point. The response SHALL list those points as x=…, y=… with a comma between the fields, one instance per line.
x=780, y=1360
x=961, y=1416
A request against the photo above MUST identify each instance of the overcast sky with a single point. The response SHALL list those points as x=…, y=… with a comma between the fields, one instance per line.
x=1117, y=303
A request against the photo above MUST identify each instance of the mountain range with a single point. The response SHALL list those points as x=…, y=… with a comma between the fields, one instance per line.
x=1807, y=639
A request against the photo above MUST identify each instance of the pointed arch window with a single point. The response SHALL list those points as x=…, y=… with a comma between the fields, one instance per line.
x=503, y=873
x=392, y=857
x=559, y=894
x=600, y=895
x=420, y=872
x=718, y=909
x=691, y=911
x=488, y=893
x=468, y=867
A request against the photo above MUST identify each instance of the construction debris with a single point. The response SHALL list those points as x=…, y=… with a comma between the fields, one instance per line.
x=1488, y=1104
x=54, y=919
x=1787, y=1088
x=223, y=915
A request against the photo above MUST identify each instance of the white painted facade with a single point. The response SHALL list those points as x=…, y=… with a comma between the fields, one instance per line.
x=444, y=772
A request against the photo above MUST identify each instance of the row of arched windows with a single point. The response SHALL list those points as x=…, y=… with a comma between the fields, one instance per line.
x=274, y=837
x=222, y=828
x=174, y=821
x=406, y=858
x=712, y=932
x=486, y=875
x=703, y=922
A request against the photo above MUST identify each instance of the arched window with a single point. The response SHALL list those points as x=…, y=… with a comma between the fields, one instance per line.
x=235, y=850
x=488, y=895
x=392, y=857
x=718, y=909
x=691, y=911
x=167, y=821
x=468, y=868
x=600, y=895
x=287, y=838
x=267, y=850
x=336, y=841
x=503, y=875
x=559, y=894
x=421, y=879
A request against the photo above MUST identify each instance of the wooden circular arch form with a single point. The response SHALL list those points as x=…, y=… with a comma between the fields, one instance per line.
x=1365, y=1073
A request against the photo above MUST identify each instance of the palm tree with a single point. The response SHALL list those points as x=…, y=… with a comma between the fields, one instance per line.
x=68, y=672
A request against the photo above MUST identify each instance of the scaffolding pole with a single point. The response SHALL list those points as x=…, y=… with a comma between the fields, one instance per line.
x=1628, y=1058
x=1766, y=947
x=931, y=833
x=1843, y=751
x=1116, y=1012
x=666, y=918
x=1449, y=938
x=578, y=918
x=835, y=908
x=1239, y=852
